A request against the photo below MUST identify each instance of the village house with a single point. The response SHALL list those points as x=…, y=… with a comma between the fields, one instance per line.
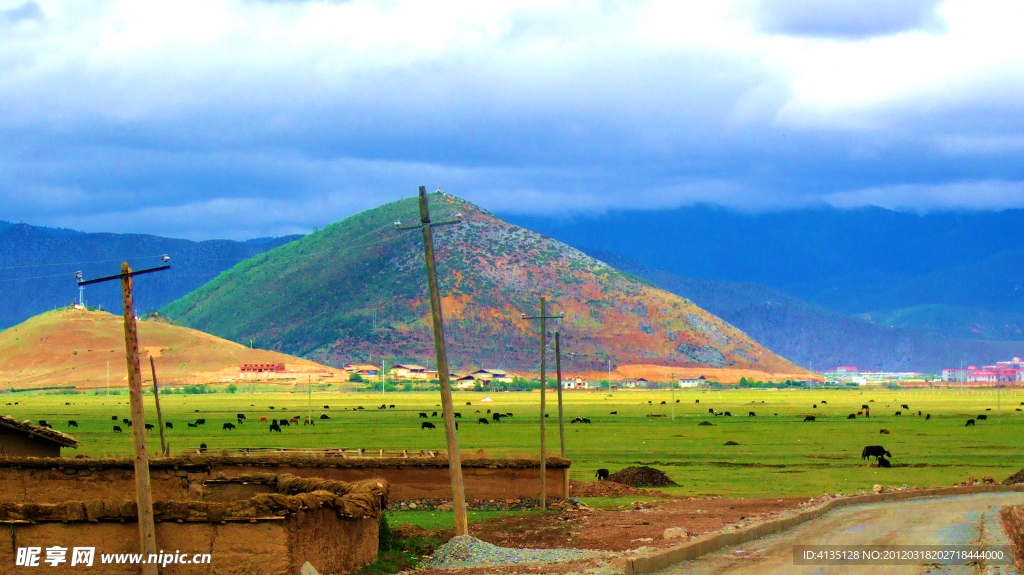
x=412, y=371
x=696, y=382
x=362, y=369
x=23, y=439
x=262, y=368
x=498, y=375
x=468, y=382
x=574, y=383
x=638, y=383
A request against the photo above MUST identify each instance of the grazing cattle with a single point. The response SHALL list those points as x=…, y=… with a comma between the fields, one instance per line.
x=200, y=422
x=677, y=401
x=275, y=427
x=482, y=421
x=710, y=410
x=43, y=423
x=705, y=423
x=864, y=407
x=391, y=406
x=614, y=413
x=360, y=407
x=852, y=416
x=663, y=403
x=117, y=428
x=327, y=407
x=383, y=406
x=927, y=417
x=456, y=426
x=823, y=402
x=263, y=419
x=469, y=403
x=271, y=407
x=457, y=414
x=575, y=420
x=423, y=415
x=815, y=406
x=808, y=418
x=241, y=421
x=905, y=406
x=488, y=411
x=239, y=416
x=169, y=425
x=602, y=474
x=751, y=414
x=717, y=413
x=1019, y=409
x=283, y=423
x=874, y=451
x=649, y=402
x=72, y=423
x=127, y=422
x=988, y=409
x=585, y=420
x=970, y=423
x=860, y=413
x=427, y=425
x=202, y=448
x=727, y=414
x=507, y=415
x=227, y=426
x=883, y=462
x=113, y=418
x=148, y=425
x=496, y=416
x=982, y=417
x=324, y=416
x=698, y=401
x=191, y=424
x=883, y=432
x=898, y=413
x=295, y=420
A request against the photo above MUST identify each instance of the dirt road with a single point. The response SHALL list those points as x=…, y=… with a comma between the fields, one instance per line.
x=963, y=520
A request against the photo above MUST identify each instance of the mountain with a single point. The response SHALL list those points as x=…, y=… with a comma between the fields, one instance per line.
x=356, y=290
x=72, y=346
x=856, y=261
x=812, y=335
x=39, y=266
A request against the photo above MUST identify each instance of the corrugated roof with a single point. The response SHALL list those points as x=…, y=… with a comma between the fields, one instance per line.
x=43, y=432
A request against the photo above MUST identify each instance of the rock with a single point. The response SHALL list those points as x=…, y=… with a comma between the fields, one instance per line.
x=877, y=489
x=675, y=533
x=308, y=569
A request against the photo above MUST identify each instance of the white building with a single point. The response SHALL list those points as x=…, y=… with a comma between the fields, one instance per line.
x=698, y=382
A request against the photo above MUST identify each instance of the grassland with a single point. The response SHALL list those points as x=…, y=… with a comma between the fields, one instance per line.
x=778, y=454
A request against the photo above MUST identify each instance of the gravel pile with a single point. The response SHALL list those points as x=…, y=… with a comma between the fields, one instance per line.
x=641, y=477
x=466, y=551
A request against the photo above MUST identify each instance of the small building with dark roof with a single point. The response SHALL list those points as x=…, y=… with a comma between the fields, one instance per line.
x=24, y=439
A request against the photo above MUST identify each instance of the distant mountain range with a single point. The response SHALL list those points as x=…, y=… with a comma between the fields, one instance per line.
x=38, y=265
x=356, y=291
x=815, y=336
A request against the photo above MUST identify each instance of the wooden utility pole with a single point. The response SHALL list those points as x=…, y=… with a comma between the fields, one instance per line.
x=147, y=530
x=164, y=450
x=561, y=417
x=144, y=495
x=543, y=317
x=454, y=460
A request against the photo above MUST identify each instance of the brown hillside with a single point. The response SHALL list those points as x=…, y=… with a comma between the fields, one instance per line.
x=72, y=347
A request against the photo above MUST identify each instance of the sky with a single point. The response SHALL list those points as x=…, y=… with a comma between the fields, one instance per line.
x=249, y=118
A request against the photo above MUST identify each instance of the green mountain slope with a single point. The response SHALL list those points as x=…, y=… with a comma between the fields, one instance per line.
x=356, y=290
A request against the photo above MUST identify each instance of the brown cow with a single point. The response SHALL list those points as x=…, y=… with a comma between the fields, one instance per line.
x=263, y=419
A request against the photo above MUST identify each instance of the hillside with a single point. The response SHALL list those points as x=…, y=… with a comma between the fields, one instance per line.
x=812, y=335
x=40, y=263
x=73, y=346
x=356, y=290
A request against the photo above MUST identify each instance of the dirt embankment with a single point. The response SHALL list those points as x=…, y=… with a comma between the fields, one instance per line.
x=1013, y=521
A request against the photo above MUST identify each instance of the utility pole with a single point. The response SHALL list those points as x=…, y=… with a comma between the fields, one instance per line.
x=454, y=460
x=108, y=378
x=309, y=399
x=543, y=317
x=164, y=450
x=143, y=491
x=382, y=378
x=561, y=417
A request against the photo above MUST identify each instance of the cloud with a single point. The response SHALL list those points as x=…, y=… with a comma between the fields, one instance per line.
x=122, y=115
x=976, y=195
x=850, y=19
x=27, y=11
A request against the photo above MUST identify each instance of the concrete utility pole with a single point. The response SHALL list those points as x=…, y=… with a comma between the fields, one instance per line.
x=561, y=416
x=543, y=317
x=144, y=494
x=164, y=450
x=454, y=460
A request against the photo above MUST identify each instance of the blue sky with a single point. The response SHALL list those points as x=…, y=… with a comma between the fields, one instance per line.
x=236, y=119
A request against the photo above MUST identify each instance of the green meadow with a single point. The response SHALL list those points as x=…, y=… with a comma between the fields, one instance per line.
x=778, y=453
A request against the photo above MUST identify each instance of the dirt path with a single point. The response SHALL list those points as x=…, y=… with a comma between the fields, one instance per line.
x=938, y=521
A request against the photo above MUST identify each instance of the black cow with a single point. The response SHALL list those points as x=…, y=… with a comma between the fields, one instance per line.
x=117, y=428
x=127, y=422
x=275, y=427
x=200, y=422
x=456, y=426
x=471, y=403
x=864, y=406
x=72, y=423
x=585, y=420
x=488, y=411
x=427, y=425
x=905, y=406
x=359, y=407
x=202, y=448
x=919, y=414
x=271, y=407
x=284, y=423
x=663, y=403
x=808, y=418
x=169, y=425
x=883, y=462
x=711, y=410
x=698, y=401
x=423, y=415
x=874, y=451
x=823, y=402
x=602, y=474
x=988, y=409
x=239, y=416
x=191, y=424
x=852, y=416
x=391, y=406
x=727, y=414
x=507, y=415
x=227, y=426
x=42, y=423
x=434, y=414
x=576, y=420
x=482, y=421
x=751, y=414
x=148, y=425
x=327, y=407
x=457, y=414
x=324, y=416
x=113, y=418
x=927, y=417
x=614, y=413
x=982, y=417
x=898, y=413
x=496, y=416
x=815, y=406
x=970, y=423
